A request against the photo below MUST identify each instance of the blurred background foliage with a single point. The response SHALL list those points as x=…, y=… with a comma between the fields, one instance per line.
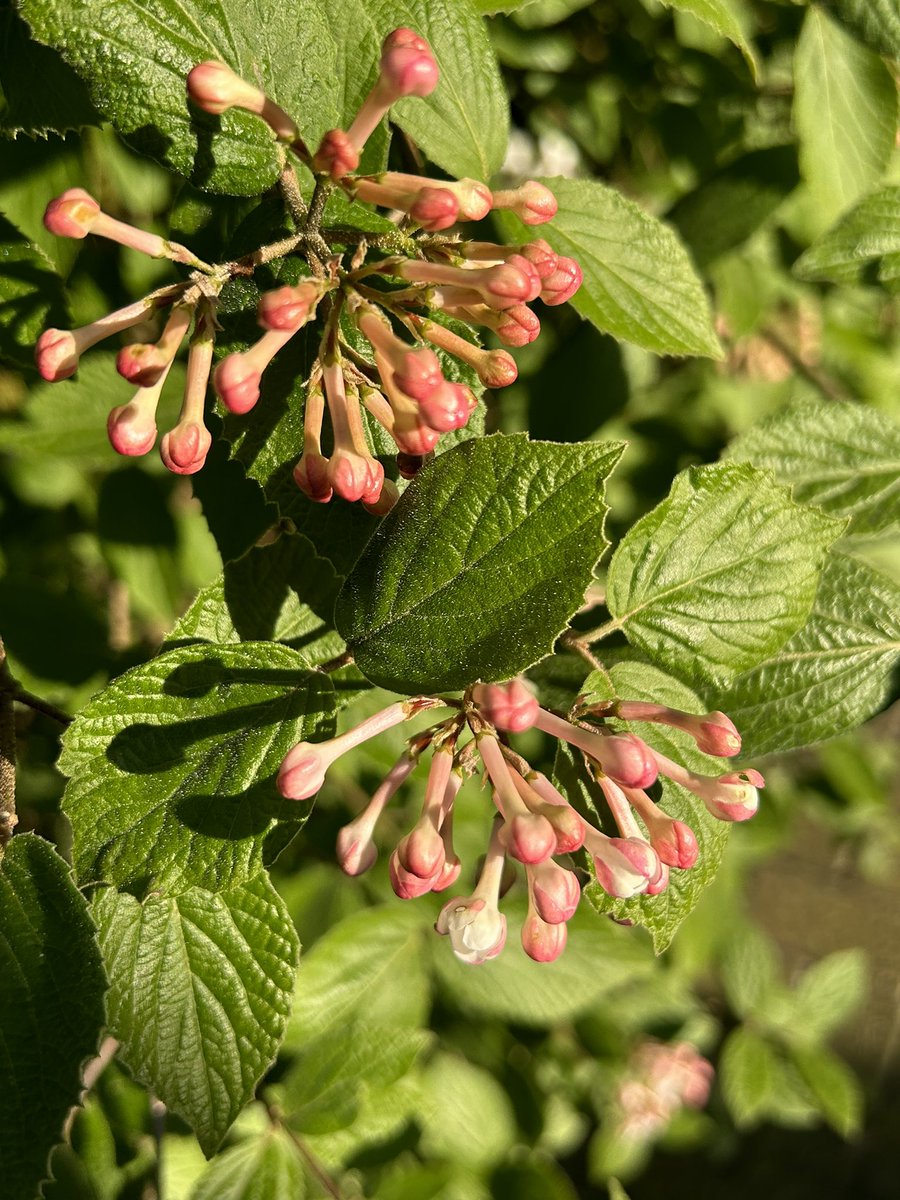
x=406, y=1074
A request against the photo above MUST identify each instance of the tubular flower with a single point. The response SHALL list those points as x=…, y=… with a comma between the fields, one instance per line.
x=419, y=386
x=534, y=823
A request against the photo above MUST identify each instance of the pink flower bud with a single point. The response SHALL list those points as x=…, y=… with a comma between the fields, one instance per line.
x=448, y=408
x=541, y=941
x=421, y=852
x=510, y=706
x=555, y=891
x=184, y=448
x=434, y=209
x=336, y=155
x=214, y=87
x=311, y=476
x=356, y=851
x=408, y=69
x=532, y=202
x=713, y=732
x=530, y=273
x=542, y=257
x=355, y=477
x=238, y=382
x=678, y=846
x=731, y=797
x=406, y=885
x=530, y=838
x=475, y=199
x=416, y=441
x=288, y=308
x=734, y=797
x=624, y=866
x=302, y=772
x=563, y=283
x=516, y=326
x=131, y=429
x=56, y=355
x=624, y=758
x=73, y=214
x=418, y=373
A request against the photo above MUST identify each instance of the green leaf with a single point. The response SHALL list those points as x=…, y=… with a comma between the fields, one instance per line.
x=726, y=17
x=750, y=973
x=51, y=1006
x=466, y=1115
x=31, y=108
x=844, y=458
x=280, y=592
x=829, y=992
x=863, y=243
x=730, y=206
x=479, y=567
x=875, y=22
x=836, y=1090
x=832, y=675
x=639, y=283
x=463, y=126
x=370, y=965
x=845, y=114
x=259, y=1168
x=200, y=992
x=31, y=296
x=662, y=914
x=328, y=1080
x=135, y=57
x=512, y=988
x=172, y=766
x=720, y=574
x=748, y=1068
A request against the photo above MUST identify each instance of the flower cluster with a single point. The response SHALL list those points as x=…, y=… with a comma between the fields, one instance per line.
x=661, y=1080
x=396, y=370
x=534, y=823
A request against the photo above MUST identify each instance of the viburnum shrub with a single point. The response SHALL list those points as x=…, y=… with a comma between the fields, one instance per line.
x=364, y=300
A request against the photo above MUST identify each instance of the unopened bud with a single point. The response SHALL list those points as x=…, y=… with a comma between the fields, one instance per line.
x=510, y=706
x=184, y=448
x=73, y=214
x=541, y=941
x=562, y=284
x=532, y=202
x=336, y=155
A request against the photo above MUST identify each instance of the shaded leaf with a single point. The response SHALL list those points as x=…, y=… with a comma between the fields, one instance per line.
x=200, y=992
x=726, y=17
x=51, y=1006
x=172, y=766
x=875, y=22
x=748, y=1067
x=31, y=296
